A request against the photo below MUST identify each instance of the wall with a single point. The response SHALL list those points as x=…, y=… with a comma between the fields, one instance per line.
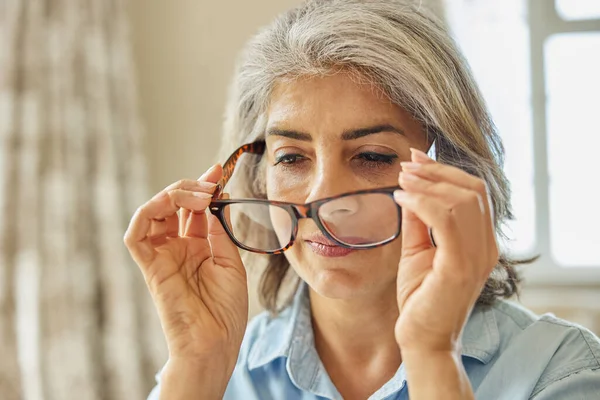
x=185, y=53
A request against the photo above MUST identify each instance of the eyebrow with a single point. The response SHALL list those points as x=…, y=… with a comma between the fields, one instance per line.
x=289, y=134
x=351, y=134
x=358, y=133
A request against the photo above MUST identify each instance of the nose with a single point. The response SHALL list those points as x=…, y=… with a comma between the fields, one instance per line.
x=331, y=180
x=337, y=209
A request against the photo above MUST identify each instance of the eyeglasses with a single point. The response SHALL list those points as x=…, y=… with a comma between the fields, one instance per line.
x=357, y=220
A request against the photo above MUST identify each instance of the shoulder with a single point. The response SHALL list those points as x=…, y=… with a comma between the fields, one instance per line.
x=581, y=344
x=556, y=348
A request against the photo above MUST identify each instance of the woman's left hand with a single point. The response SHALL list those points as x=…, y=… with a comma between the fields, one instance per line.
x=438, y=286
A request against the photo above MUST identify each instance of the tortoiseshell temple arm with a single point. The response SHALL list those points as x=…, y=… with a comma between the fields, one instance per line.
x=257, y=147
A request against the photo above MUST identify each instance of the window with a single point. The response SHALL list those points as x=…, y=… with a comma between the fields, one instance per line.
x=537, y=63
x=578, y=9
x=572, y=82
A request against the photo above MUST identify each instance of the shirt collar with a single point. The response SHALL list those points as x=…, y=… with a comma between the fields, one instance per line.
x=481, y=336
x=290, y=334
x=282, y=331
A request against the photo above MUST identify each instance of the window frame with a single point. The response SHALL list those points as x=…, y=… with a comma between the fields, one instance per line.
x=545, y=21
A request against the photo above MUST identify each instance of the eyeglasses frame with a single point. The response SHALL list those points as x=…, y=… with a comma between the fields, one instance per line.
x=296, y=211
x=300, y=211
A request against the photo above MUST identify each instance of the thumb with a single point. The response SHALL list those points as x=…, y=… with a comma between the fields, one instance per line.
x=415, y=234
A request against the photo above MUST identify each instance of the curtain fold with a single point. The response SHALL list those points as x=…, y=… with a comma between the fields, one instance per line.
x=76, y=321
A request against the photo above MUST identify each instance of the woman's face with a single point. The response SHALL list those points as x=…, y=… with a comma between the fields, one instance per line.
x=311, y=155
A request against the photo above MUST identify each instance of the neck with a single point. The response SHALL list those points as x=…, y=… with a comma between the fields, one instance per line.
x=356, y=337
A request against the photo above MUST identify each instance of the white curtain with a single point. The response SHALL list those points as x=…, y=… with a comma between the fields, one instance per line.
x=76, y=321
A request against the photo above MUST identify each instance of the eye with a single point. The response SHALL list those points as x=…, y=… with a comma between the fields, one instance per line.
x=288, y=159
x=377, y=159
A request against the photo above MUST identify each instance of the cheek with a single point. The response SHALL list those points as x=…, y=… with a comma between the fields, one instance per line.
x=282, y=225
x=286, y=187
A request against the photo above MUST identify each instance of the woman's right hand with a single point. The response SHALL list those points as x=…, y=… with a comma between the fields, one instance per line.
x=193, y=271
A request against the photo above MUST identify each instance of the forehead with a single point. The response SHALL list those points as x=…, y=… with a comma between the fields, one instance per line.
x=338, y=99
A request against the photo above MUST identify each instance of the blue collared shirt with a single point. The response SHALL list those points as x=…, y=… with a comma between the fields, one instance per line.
x=509, y=353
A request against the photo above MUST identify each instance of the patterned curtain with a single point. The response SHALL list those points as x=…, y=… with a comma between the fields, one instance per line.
x=76, y=321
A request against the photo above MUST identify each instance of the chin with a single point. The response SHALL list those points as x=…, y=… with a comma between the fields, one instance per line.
x=348, y=277
x=337, y=283
x=358, y=274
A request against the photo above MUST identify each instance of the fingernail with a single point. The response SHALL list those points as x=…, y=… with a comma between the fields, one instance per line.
x=207, y=185
x=202, y=195
x=410, y=165
x=211, y=169
x=400, y=195
x=407, y=176
x=418, y=155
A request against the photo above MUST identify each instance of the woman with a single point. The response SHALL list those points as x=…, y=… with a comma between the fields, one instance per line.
x=401, y=290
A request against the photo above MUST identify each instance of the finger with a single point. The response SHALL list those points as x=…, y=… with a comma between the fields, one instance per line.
x=197, y=225
x=157, y=228
x=224, y=251
x=186, y=194
x=199, y=185
x=453, y=194
x=212, y=175
x=192, y=185
x=158, y=210
x=445, y=190
x=172, y=226
x=439, y=172
x=183, y=220
x=136, y=240
x=415, y=234
x=169, y=203
x=420, y=156
x=161, y=207
x=461, y=234
x=149, y=220
x=167, y=227
x=469, y=209
x=448, y=173
x=435, y=213
x=184, y=214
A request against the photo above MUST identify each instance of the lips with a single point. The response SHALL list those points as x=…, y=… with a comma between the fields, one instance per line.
x=320, y=239
x=326, y=248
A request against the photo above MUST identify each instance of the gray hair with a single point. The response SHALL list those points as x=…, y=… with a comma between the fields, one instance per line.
x=404, y=51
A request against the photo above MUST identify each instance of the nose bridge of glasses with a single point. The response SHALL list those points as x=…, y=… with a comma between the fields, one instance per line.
x=302, y=210
x=340, y=205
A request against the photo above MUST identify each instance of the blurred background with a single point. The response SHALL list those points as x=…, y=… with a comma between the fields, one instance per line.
x=104, y=102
